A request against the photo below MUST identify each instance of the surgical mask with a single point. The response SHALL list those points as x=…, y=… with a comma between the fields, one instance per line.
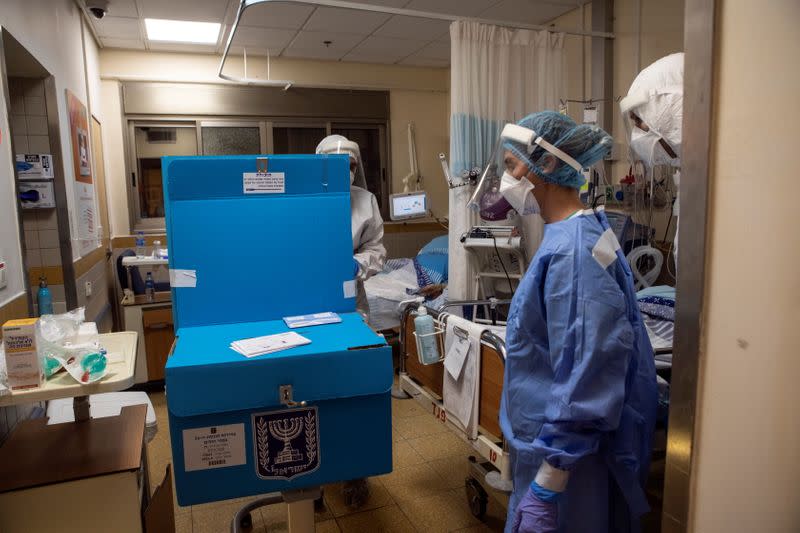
x=519, y=193
x=352, y=177
x=646, y=148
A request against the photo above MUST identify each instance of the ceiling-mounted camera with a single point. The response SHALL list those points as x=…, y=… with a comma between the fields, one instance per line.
x=98, y=8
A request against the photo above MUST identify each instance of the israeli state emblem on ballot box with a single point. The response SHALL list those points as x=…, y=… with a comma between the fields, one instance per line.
x=286, y=443
x=316, y=412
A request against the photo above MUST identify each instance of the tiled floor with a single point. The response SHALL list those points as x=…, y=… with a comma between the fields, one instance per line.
x=424, y=492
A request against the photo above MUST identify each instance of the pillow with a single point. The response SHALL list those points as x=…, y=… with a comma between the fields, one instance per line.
x=431, y=262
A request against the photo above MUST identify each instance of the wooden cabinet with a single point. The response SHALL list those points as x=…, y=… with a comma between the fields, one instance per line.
x=159, y=333
x=75, y=477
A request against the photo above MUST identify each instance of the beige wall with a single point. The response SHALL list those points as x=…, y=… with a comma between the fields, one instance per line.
x=418, y=95
x=430, y=114
x=748, y=447
x=578, y=51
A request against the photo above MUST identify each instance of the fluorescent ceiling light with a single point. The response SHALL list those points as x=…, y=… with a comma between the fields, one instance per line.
x=182, y=31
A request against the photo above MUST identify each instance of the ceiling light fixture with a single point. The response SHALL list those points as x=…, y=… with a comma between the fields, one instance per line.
x=182, y=31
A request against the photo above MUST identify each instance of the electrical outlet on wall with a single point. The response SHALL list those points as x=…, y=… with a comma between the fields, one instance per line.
x=88, y=288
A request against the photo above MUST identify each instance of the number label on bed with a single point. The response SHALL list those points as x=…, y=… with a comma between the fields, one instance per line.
x=439, y=413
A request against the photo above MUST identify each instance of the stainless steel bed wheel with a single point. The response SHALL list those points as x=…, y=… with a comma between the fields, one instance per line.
x=477, y=498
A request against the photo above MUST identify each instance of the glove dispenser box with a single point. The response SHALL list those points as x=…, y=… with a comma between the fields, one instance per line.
x=303, y=417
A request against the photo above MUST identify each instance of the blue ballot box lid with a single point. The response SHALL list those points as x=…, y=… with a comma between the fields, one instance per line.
x=204, y=375
x=256, y=238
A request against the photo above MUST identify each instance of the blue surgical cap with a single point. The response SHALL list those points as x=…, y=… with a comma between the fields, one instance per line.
x=587, y=144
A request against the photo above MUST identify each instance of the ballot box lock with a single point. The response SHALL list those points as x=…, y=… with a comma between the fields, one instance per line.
x=287, y=398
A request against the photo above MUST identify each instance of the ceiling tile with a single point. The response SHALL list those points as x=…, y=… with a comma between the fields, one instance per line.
x=133, y=44
x=122, y=8
x=402, y=27
x=435, y=50
x=345, y=20
x=464, y=8
x=253, y=51
x=199, y=10
x=118, y=27
x=272, y=39
x=328, y=54
x=312, y=40
x=383, y=50
x=414, y=61
x=275, y=15
x=522, y=11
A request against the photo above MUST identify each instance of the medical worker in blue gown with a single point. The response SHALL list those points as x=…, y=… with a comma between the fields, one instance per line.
x=579, y=394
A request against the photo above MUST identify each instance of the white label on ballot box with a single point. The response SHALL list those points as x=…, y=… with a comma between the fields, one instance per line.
x=264, y=182
x=213, y=447
x=349, y=288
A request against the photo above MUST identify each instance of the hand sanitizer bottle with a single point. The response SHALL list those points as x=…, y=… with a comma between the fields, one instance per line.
x=428, y=344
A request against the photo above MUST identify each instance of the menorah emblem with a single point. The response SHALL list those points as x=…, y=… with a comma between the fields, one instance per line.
x=286, y=443
x=286, y=430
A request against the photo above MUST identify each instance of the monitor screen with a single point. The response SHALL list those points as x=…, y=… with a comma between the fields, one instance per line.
x=409, y=205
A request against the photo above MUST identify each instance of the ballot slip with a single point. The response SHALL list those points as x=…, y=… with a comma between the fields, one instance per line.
x=268, y=344
x=316, y=319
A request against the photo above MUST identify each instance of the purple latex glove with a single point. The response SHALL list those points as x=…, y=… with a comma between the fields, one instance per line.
x=535, y=516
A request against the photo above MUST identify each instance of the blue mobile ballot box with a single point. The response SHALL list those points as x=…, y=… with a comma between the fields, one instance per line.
x=252, y=240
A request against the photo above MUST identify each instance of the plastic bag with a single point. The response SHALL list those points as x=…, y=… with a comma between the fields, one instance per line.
x=54, y=332
x=66, y=341
x=84, y=364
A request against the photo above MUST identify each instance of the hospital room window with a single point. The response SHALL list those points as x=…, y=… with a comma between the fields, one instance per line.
x=297, y=139
x=151, y=141
x=231, y=138
x=370, y=139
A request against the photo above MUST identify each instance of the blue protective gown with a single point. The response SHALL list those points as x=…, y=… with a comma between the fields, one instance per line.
x=580, y=383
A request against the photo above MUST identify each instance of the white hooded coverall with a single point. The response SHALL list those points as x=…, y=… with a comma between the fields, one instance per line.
x=366, y=221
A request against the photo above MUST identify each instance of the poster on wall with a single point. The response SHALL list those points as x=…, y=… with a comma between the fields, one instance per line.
x=84, y=183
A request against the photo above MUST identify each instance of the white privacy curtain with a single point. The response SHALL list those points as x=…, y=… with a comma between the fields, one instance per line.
x=497, y=75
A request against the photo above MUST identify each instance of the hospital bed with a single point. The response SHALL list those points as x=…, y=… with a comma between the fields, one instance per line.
x=401, y=280
x=489, y=473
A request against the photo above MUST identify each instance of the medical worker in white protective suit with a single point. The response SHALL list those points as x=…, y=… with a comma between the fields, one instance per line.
x=369, y=255
x=653, y=115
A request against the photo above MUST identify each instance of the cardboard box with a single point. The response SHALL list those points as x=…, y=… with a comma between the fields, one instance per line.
x=298, y=418
x=35, y=166
x=235, y=434
x=24, y=364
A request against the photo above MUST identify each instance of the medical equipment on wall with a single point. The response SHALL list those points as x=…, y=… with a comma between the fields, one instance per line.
x=407, y=205
x=467, y=177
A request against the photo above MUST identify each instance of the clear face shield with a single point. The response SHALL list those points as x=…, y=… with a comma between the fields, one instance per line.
x=498, y=184
x=646, y=144
x=349, y=148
